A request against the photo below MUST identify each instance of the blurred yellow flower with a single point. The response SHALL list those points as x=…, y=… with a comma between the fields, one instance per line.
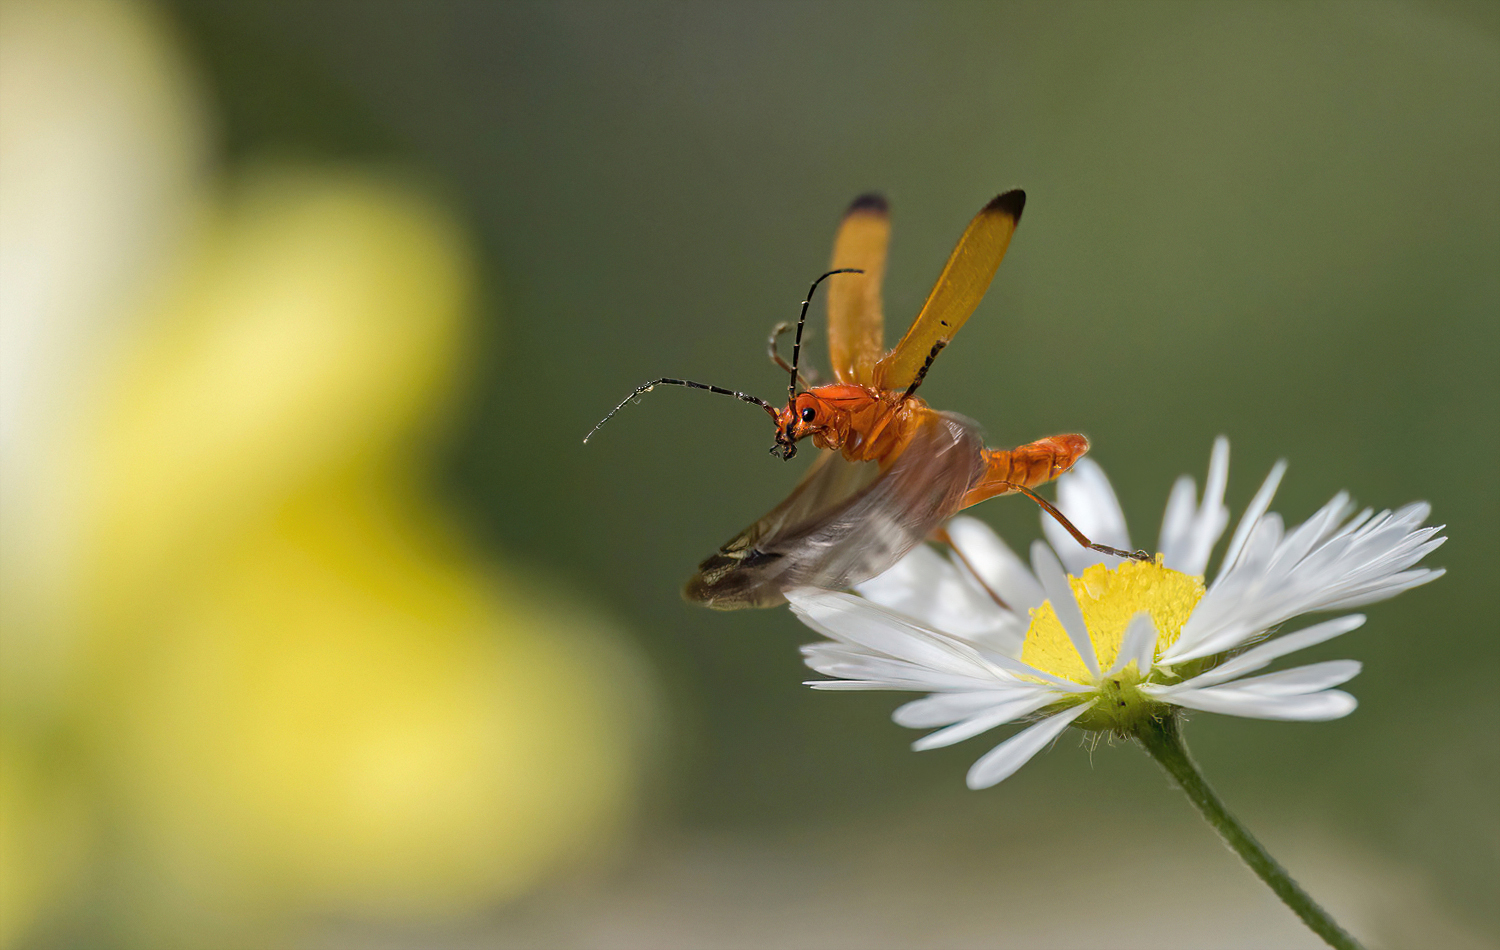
x=315, y=329
x=286, y=687
x=372, y=725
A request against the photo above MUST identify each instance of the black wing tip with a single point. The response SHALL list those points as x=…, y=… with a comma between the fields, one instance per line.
x=871, y=202
x=1011, y=203
x=730, y=590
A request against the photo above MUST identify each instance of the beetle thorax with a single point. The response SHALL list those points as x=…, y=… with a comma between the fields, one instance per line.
x=864, y=424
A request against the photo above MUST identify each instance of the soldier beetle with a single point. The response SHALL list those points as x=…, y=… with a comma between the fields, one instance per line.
x=892, y=469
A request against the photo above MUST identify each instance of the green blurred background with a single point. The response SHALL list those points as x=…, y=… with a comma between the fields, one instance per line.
x=1277, y=222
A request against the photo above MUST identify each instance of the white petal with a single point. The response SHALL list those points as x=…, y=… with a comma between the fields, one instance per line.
x=833, y=659
x=1010, y=665
x=998, y=764
x=1316, y=567
x=1006, y=639
x=1265, y=537
x=1233, y=610
x=928, y=588
x=1218, y=474
x=1302, y=679
x=985, y=721
x=1177, y=523
x=1258, y=506
x=1315, y=530
x=1085, y=497
x=1412, y=513
x=1055, y=583
x=1261, y=655
x=1189, y=550
x=922, y=568
x=858, y=685
x=997, y=566
x=1313, y=707
x=872, y=644
x=852, y=619
x=1386, y=590
x=942, y=709
x=1138, y=644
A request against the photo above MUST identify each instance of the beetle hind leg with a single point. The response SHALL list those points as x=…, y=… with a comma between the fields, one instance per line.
x=1025, y=467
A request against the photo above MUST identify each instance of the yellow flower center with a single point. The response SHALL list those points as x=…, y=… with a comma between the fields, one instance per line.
x=1108, y=599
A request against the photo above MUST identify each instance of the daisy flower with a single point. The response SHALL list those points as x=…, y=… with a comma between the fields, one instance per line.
x=1081, y=639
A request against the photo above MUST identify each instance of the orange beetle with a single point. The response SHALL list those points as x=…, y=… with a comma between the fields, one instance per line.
x=892, y=469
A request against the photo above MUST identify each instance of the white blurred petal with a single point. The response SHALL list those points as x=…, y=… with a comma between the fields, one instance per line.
x=930, y=589
x=997, y=565
x=103, y=150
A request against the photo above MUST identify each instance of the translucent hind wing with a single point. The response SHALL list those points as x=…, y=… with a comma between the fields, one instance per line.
x=958, y=290
x=856, y=333
x=833, y=533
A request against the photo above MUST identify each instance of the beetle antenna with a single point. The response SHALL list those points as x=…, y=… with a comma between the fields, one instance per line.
x=644, y=388
x=782, y=364
x=791, y=387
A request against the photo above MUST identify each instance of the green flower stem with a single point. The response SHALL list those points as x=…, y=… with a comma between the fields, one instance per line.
x=1163, y=740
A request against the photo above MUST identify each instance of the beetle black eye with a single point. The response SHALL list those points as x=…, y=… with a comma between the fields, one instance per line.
x=809, y=414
